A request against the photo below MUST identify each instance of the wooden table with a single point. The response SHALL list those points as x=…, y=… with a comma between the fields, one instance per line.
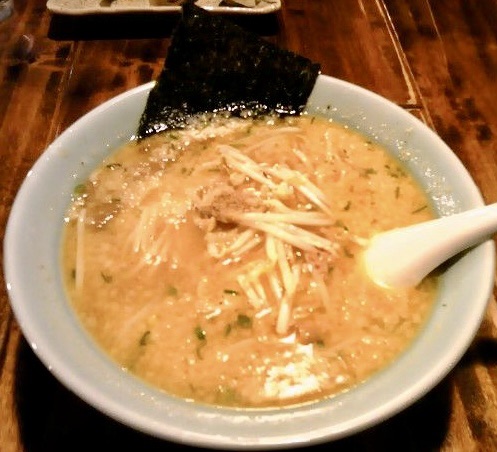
x=436, y=58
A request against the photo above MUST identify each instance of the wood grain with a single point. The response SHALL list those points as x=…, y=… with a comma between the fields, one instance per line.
x=436, y=58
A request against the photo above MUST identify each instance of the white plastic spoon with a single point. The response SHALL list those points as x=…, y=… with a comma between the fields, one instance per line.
x=403, y=257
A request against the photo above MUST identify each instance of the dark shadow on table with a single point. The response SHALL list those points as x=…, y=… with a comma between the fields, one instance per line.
x=53, y=419
x=141, y=25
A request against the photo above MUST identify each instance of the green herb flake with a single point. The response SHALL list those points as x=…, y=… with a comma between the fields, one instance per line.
x=186, y=171
x=319, y=343
x=419, y=209
x=226, y=395
x=340, y=224
x=106, y=277
x=79, y=189
x=244, y=321
x=347, y=206
x=145, y=338
x=200, y=333
x=231, y=292
x=172, y=291
x=395, y=172
x=368, y=172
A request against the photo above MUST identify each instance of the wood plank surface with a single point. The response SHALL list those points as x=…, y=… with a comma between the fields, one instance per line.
x=436, y=58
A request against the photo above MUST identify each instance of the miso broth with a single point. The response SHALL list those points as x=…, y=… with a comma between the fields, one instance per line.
x=222, y=264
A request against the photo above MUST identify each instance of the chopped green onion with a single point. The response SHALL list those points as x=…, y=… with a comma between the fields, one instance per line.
x=226, y=395
x=369, y=171
x=244, y=321
x=79, y=189
x=186, y=171
x=107, y=278
x=200, y=333
x=340, y=224
x=145, y=338
x=420, y=209
x=395, y=172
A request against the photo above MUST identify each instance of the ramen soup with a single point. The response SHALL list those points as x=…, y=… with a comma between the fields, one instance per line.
x=223, y=264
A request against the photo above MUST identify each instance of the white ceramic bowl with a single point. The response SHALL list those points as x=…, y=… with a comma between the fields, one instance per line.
x=31, y=265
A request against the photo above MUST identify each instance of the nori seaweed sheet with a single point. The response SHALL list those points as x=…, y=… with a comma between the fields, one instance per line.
x=215, y=65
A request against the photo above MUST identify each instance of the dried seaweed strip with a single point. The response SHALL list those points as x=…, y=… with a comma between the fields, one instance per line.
x=214, y=64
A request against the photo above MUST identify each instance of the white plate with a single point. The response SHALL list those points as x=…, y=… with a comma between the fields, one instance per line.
x=82, y=7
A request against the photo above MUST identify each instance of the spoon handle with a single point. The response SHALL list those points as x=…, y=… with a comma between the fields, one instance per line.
x=403, y=257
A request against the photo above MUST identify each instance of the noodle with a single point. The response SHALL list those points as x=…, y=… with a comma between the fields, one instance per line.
x=225, y=268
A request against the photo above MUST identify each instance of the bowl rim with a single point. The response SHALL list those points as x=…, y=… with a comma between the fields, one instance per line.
x=210, y=427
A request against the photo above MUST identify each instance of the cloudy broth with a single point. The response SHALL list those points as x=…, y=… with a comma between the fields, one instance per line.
x=222, y=264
